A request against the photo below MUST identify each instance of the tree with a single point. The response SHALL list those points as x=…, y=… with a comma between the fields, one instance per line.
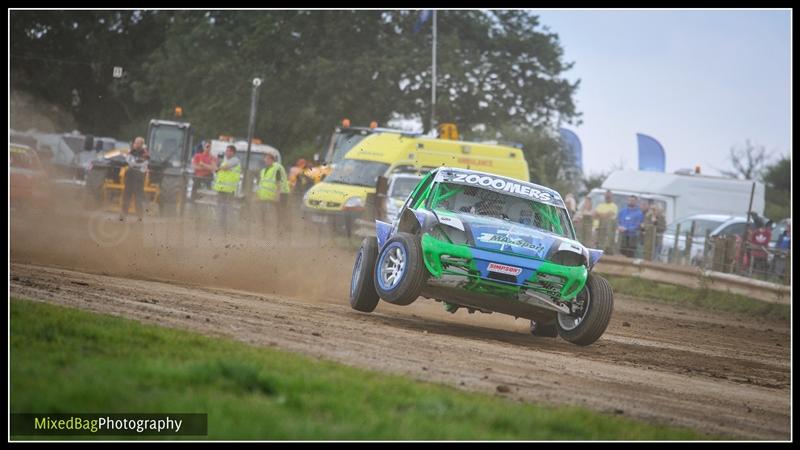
x=777, y=179
x=496, y=68
x=550, y=161
x=748, y=161
x=594, y=180
x=321, y=66
x=66, y=59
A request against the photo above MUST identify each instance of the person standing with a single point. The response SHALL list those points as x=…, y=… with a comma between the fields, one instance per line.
x=759, y=242
x=227, y=181
x=273, y=191
x=136, y=160
x=299, y=183
x=204, y=165
x=569, y=202
x=630, y=222
x=783, y=245
x=605, y=214
x=584, y=221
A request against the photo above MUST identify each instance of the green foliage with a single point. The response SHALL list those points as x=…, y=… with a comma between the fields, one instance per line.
x=66, y=360
x=495, y=68
x=64, y=61
x=549, y=161
x=778, y=180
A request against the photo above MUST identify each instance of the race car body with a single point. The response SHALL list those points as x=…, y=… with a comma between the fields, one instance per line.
x=488, y=243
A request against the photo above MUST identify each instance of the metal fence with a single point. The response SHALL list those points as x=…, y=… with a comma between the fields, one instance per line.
x=724, y=254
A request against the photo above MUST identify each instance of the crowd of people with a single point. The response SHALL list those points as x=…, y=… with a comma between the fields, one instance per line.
x=640, y=225
x=595, y=224
x=276, y=191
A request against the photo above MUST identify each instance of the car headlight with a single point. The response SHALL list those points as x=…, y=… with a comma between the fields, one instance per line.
x=354, y=202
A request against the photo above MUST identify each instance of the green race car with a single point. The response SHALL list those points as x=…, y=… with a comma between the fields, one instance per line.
x=486, y=243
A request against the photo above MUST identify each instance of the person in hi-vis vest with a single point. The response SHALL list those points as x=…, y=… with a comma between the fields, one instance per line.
x=273, y=191
x=225, y=183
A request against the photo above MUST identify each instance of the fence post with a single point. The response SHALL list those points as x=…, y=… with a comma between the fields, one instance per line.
x=687, y=251
x=706, y=247
x=787, y=268
x=675, y=244
x=649, y=242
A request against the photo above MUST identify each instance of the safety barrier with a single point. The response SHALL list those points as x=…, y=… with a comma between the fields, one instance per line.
x=681, y=275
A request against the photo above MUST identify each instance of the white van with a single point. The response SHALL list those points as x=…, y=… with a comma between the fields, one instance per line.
x=683, y=195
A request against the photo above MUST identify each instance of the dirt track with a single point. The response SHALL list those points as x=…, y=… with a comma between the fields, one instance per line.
x=721, y=374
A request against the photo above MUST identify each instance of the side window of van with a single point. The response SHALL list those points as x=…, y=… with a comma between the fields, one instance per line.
x=736, y=228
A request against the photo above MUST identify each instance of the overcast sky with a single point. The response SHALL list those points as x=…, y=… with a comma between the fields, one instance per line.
x=697, y=81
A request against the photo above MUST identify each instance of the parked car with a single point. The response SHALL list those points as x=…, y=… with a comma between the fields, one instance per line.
x=28, y=178
x=715, y=224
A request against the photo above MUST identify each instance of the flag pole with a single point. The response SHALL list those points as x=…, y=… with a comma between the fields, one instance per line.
x=433, y=76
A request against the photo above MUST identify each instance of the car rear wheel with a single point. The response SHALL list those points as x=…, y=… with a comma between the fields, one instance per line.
x=400, y=274
x=363, y=296
x=592, y=315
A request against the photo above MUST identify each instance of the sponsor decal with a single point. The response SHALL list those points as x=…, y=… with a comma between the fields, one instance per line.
x=504, y=238
x=570, y=247
x=502, y=268
x=451, y=221
x=509, y=186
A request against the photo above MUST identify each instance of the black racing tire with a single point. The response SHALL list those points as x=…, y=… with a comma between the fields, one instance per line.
x=363, y=296
x=596, y=316
x=410, y=274
x=171, y=194
x=544, y=329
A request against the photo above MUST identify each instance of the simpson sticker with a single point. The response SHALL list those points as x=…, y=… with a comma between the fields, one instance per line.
x=502, y=268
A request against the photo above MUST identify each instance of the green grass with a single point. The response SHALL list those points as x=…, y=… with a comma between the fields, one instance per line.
x=69, y=361
x=707, y=299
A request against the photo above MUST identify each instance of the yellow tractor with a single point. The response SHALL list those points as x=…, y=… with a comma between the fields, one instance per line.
x=169, y=145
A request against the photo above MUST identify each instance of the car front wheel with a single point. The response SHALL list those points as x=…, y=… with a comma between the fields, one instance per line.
x=592, y=313
x=400, y=273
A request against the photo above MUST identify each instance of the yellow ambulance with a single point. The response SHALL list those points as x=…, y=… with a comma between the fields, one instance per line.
x=342, y=196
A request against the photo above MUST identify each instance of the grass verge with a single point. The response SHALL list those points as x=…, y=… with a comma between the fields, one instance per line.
x=69, y=361
x=707, y=299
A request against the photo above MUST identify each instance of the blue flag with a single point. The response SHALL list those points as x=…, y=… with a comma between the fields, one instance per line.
x=423, y=17
x=574, y=144
x=651, y=154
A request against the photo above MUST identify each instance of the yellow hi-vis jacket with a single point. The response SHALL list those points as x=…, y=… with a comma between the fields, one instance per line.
x=268, y=184
x=227, y=180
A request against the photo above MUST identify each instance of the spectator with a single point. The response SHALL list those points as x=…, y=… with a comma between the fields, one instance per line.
x=584, y=221
x=569, y=202
x=134, y=178
x=782, y=245
x=759, y=240
x=630, y=222
x=273, y=188
x=605, y=213
x=228, y=174
x=657, y=216
x=204, y=165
